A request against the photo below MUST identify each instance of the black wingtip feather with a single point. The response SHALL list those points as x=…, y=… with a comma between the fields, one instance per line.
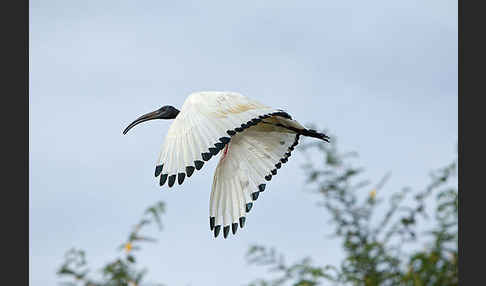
x=163, y=179
x=180, y=178
x=248, y=207
x=261, y=187
x=225, y=140
x=254, y=196
x=158, y=170
x=206, y=156
x=268, y=177
x=212, y=221
x=234, y=228
x=213, y=151
x=219, y=146
x=242, y=221
x=216, y=230
x=282, y=114
x=226, y=231
x=172, y=179
x=189, y=171
x=198, y=164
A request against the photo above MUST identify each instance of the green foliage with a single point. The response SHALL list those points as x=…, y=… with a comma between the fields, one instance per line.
x=378, y=234
x=122, y=271
x=302, y=273
x=374, y=246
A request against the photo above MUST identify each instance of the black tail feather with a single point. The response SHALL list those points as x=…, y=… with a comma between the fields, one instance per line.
x=315, y=134
x=305, y=132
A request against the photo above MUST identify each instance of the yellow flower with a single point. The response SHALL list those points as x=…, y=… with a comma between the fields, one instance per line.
x=128, y=247
x=373, y=194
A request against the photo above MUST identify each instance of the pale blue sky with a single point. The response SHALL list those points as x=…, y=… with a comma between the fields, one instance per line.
x=381, y=75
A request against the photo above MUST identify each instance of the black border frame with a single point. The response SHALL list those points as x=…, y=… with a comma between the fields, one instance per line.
x=15, y=135
x=471, y=205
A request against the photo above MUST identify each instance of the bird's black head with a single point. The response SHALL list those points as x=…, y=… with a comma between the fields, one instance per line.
x=165, y=112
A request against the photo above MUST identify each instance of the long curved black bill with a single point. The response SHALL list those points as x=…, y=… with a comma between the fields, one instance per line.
x=143, y=118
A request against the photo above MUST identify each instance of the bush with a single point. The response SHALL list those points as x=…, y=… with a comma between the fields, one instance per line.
x=374, y=248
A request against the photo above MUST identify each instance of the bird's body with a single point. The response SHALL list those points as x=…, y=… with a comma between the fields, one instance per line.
x=254, y=141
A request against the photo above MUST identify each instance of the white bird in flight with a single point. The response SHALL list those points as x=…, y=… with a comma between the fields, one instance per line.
x=255, y=141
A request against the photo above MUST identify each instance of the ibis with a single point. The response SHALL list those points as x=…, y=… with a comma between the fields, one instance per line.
x=254, y=140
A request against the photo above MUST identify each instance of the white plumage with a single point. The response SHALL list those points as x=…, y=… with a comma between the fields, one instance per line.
x=254, y=141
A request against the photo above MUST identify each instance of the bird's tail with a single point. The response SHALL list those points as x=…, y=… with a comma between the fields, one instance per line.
x=315, y=134
x=305, y=132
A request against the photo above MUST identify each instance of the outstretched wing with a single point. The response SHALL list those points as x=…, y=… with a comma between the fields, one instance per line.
x=206, y=123
x=248, y=162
